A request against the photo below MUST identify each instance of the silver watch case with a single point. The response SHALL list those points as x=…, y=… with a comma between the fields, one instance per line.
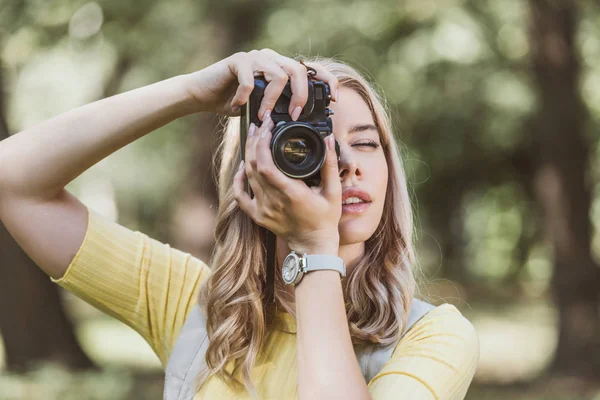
x=293, y=269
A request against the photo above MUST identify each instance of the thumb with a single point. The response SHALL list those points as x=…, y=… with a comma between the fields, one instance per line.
x=330, y=176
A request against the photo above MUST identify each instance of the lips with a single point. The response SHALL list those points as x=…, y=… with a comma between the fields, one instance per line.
x=356, y=192
x=359, y=200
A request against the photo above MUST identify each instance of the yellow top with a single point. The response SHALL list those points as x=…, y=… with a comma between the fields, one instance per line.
x=151, y=287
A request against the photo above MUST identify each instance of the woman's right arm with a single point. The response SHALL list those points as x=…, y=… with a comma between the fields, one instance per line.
x=37, y=163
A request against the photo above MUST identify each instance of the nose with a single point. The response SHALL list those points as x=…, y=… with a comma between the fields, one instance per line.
x=348, y=164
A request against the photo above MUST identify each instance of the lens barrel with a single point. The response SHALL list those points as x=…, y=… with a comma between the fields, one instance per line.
x=298, y=149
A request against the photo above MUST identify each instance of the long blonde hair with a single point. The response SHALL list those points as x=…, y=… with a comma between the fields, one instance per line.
x=378, y=292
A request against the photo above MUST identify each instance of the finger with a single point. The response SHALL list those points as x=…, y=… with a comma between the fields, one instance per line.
x=254, y=177
x=298, y=82
x=330, y=177
x=241, y=66
x=266, y=126
x=249, y=156
x=276, y=79
x=267, y=171
x=240, y=195
x=272, y=92
x=327, y=77
x=250, y=137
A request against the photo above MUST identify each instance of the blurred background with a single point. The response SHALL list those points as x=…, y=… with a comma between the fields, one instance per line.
x=496, y=104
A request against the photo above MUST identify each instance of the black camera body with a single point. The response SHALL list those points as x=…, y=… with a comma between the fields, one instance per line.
x=297, y=147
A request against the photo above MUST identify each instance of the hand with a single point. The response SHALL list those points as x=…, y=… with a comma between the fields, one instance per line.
x=225, y=86
x=305, y=217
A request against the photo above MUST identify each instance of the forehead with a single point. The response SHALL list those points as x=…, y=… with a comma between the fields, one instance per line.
x=350, y=111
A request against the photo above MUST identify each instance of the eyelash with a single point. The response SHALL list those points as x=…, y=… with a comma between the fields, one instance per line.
x=370, y=143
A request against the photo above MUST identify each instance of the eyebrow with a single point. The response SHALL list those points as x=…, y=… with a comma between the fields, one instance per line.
x=362, y=128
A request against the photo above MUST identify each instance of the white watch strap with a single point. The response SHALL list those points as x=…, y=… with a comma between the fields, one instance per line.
x=316, y=262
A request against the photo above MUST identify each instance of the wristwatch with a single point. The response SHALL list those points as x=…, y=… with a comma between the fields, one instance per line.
x=294, y=267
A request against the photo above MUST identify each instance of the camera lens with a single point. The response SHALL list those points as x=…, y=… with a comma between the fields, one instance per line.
x=296, y=150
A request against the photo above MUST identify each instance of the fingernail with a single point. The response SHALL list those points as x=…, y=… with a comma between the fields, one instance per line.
x=266, y=114
x=252, y=129
x=241, y=165
x=235, y=108
x=337, y=95
x=330, y=142
x=296, y=113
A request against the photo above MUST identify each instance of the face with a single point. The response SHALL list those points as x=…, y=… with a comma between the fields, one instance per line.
x=362, y=166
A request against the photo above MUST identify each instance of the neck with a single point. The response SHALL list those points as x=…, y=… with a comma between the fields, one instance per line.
x=350, y=253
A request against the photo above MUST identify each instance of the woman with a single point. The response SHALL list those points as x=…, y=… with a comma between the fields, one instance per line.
x=308, y=351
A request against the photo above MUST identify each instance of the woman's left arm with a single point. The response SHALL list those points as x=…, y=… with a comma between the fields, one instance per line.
x=327, y=364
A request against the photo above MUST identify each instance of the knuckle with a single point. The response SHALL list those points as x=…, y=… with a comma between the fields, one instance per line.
x=264, y=171
x=267, y=214
x=268, y=51
x=289, y=195
x=253, y=167
x=280, y=206
x=269, y=103
x=302, y=97
x=246, y=86
x=240, y=55
x=281, y=76
x=268, y=174
x=300, y=69
x=262, y=216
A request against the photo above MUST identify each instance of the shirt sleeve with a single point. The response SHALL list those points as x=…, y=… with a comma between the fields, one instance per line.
x=435, y=360
x=144, y=283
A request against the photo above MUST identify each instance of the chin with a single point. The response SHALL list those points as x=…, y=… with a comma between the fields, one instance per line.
x=355, y=231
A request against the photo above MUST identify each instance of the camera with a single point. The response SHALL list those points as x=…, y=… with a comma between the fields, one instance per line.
x=297, y=147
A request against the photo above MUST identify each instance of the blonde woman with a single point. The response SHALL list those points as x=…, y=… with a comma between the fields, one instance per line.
x=360, y=216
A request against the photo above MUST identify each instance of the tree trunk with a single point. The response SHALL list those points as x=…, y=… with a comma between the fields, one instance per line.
x=562, y=186
x=33, y=324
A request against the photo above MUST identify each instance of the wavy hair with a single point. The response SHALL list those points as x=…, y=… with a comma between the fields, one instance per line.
x=377, y=293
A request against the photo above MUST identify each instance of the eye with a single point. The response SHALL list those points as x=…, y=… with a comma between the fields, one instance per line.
x=370, y=143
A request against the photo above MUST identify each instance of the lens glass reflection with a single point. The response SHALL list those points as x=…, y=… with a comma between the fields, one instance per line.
x=296, y=150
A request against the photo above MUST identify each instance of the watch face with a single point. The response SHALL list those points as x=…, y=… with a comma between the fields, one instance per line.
x=290, y=268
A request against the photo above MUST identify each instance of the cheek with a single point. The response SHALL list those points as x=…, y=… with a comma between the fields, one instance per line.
x=381, y=178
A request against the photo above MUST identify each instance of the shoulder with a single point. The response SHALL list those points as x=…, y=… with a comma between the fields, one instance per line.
x=445, y=315
x=436, y=358
x=443, y=327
